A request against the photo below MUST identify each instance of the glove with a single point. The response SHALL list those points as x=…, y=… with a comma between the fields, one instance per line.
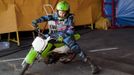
x=37, y=29
x=60, y=39
x=34, y=23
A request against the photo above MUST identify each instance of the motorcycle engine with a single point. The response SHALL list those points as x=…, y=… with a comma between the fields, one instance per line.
x=52, y=58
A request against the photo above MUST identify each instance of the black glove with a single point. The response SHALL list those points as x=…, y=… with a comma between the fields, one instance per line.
x=34, y=23
x=37, y=29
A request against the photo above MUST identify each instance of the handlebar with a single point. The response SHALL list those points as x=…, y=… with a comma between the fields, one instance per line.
x=38, y=30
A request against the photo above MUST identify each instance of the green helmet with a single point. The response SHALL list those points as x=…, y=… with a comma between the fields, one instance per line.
x=63, y=5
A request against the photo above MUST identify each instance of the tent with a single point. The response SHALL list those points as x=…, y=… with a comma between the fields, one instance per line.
x=124, y=12
x=16, y=15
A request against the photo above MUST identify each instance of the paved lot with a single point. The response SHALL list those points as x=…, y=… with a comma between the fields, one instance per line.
x=112, y=50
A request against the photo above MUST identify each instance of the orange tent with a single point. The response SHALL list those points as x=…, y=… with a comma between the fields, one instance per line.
x=16, y=15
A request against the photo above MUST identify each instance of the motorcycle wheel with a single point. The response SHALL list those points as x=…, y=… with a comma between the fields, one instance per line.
x=25, y=68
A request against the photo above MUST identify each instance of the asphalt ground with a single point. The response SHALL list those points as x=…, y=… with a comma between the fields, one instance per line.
x=111, y=49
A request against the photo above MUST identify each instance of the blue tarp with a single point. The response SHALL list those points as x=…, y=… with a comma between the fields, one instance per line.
x=124, y=12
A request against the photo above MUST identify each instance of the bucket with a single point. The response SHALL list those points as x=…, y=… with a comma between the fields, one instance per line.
x=4, y=45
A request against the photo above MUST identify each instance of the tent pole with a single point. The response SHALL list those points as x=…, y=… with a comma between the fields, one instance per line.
x=13, y=40
x=33, y=34
x=17, y=36
x=8, y=37
x=91, y=26
x=0, y=36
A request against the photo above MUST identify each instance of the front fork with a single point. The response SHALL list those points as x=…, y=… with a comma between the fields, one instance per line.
x=32, y=55
x=30, y=58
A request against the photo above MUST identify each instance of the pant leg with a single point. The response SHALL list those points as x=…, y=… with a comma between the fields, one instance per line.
x=71, y=43
x=76, y=49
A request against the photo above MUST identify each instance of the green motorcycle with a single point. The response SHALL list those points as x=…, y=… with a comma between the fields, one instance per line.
x=45, y=48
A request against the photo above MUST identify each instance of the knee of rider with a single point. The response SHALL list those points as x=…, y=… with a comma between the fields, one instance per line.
x=62, y=34
x=67, y=40
x=46, y=35
x=72, y=45
x=76, y=49
x=54, y=36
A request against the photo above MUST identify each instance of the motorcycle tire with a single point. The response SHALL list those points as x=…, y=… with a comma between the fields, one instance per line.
x=25, y=68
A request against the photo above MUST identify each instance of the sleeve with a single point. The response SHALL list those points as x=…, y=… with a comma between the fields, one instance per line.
x=45, y=18
x=70, y=27
x=71, y=21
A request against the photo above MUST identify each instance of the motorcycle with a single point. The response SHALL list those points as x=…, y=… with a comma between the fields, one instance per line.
x=46, y=48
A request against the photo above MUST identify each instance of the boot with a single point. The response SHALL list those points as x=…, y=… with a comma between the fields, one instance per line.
x=94, y=68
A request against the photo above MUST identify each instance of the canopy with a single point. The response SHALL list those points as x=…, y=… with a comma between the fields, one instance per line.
x=16, y=15
x=125, y=13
